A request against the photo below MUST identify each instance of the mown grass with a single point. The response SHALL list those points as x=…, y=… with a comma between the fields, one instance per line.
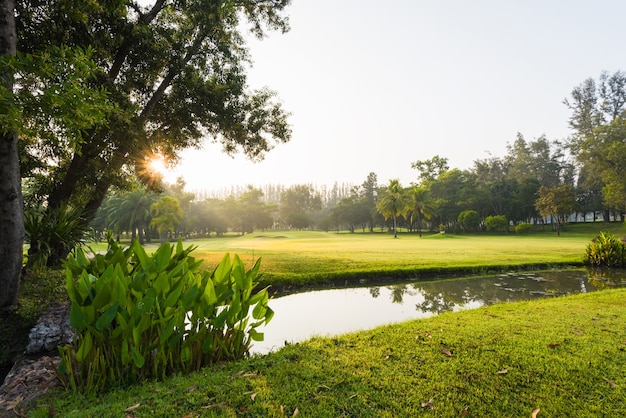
x=312, y=258
x=564, y=356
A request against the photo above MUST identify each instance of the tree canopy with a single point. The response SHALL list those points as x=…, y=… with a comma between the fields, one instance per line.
x=175, y=73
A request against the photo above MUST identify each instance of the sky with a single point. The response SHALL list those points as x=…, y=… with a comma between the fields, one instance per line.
x=374, y=86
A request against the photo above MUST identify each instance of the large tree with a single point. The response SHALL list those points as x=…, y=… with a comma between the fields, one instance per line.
x=11, y=212
x=176, y=72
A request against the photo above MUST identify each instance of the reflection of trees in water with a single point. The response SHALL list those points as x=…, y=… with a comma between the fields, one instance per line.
x=435, y=303
x=398, y=292
x=445, y=295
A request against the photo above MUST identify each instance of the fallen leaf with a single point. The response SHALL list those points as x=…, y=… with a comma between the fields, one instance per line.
x=131, y=408
x=253, y=395
x=191, y=388
x=249, y=375
x=388, y=356
x=465, y=412
x=446, y=351
x=504, y=371
x=610, y=382
x=535, y=412
x=553, y=345
x=429, y=404
x=296, y=412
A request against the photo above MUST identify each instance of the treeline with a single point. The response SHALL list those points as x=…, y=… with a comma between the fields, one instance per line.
x=537, y=181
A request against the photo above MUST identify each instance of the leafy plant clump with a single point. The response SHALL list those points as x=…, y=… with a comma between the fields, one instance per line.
x=605, y=250
x=140, y=317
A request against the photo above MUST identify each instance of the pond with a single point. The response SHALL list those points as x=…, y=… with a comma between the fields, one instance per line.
x=301, y=316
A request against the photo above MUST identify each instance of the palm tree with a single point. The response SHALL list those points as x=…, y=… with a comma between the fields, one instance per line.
x=418, y=206
x=130, y=211
x=392, y=203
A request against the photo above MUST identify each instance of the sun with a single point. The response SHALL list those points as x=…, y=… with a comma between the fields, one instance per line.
x=158, y=165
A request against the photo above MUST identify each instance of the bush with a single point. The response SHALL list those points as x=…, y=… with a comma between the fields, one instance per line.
x=52, y=234
x=497, y=223
x=138, y=317
x=469, y=220
x=605, y=250
x=523, y=228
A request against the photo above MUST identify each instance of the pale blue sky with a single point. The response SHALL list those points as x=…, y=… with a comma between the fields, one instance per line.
x=374, y=86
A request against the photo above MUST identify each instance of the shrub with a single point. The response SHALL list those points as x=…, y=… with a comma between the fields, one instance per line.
x=138, y=317
x=523, y=228
x=497, y=223
x=605, y=250
x=469, y=220
x=52, y=234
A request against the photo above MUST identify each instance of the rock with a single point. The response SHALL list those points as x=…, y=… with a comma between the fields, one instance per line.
x=31, y=377
x=51, y=330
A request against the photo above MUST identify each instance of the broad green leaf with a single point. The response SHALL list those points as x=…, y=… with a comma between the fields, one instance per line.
x=85, y=348
x=162, y=257
x=174, y=295
x=162, y=283
x=141, y=255
x=137, y=357
x=259, y=311
x=255, y=335
x=107, y=317
x=78, y=319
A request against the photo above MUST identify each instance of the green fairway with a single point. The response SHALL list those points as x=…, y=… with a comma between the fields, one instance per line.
x=312, y=257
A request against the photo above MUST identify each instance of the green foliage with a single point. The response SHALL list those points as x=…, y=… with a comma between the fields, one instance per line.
x=140, y=317
x=47, y=232
x=497, y=223
x=469, y=220
x=523, y=228
x=605, y=250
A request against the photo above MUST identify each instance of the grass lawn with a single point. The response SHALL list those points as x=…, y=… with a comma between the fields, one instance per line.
x=565, y=357
x=317, y=258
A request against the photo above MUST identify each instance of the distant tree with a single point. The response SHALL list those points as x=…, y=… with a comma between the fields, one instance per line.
x=418, y=206
x=556, y=202
x=352, y=211
x=130, y=211
x=369, y=193
x=431, y=169
x=166, y=215
x=469, y=220
x=392, y=203
x=453, y=192
x=253, y=211
x=497, y=223
x=295, y=204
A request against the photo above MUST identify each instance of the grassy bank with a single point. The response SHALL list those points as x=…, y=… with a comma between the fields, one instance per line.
x=563, y=356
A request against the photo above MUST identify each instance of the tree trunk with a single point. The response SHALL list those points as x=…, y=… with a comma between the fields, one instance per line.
x=11, y=206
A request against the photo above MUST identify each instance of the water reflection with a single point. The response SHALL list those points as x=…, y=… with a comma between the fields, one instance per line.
x=337, y=311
